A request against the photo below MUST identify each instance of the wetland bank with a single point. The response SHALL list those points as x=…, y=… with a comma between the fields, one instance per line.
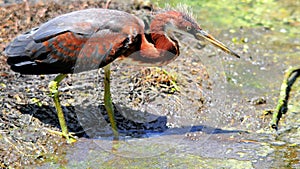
x=224, y=98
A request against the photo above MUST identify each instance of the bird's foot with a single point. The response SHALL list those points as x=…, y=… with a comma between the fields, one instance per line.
x=68, y=136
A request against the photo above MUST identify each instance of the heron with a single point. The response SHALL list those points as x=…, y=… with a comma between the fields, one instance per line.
x=93, y=38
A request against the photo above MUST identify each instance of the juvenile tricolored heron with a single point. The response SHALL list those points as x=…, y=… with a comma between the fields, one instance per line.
x=92, y=38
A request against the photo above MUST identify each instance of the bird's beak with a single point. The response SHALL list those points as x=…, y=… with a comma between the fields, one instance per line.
x=202, y=34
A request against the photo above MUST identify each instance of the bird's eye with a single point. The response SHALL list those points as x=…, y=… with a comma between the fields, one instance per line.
x=188, y=28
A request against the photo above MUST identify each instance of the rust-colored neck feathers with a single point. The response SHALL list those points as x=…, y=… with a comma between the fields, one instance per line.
x=159, y=49
x=158, y=35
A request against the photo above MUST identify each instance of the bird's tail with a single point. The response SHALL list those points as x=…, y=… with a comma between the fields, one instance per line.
x=22, y=52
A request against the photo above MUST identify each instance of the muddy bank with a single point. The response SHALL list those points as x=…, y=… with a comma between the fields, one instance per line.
x=206, y=108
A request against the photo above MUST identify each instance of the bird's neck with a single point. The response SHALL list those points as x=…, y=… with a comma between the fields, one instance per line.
x=159, y=35
x=156, y=48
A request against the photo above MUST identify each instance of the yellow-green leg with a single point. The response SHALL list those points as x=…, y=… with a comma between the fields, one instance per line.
x=282, y=107
x=53, y=87
x=108, y=102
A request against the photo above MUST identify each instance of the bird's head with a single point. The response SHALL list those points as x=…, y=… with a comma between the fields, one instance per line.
x=183, y=22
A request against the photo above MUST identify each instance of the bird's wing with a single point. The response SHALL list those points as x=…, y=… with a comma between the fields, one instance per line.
x=102, y=48
x=69, y=52
x=84, y=22
x=78, y=41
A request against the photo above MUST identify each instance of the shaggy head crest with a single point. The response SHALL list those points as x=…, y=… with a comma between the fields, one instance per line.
x=184, y=9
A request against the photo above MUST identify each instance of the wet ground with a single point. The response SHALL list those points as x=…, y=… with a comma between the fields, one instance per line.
x=204, y=110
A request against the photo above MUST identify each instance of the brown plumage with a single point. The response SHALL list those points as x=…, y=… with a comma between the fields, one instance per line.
x=90, y=39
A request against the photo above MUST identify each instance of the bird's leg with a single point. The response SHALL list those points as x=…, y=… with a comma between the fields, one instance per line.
x=289, y=79
x=53, y=87
x=108, y=102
